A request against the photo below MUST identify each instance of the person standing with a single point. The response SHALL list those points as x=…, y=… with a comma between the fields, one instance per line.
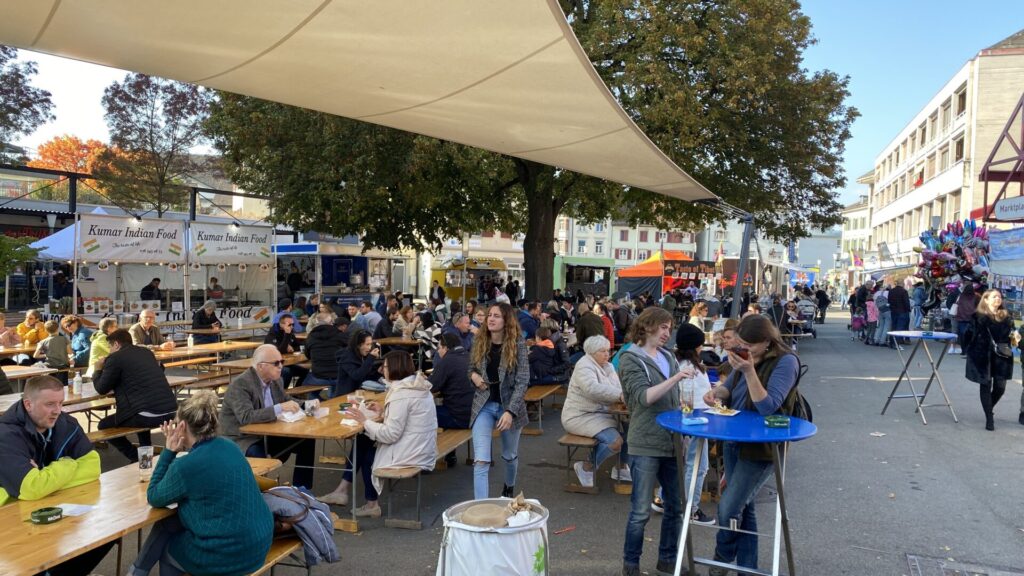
x=500, y=370
x=899, y=307
x=988, y=341
x=966, y=305
x=917, y=298
x=884, y=318
x=823, y=301
x=151, y=291
x=650, y=376
x=437, y=292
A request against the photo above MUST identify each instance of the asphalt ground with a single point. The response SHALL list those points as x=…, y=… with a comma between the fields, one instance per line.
x=862, y=494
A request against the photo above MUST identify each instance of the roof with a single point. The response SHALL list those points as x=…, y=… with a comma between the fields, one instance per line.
x=653, y=266
x=509, y=77
x=1012, y=41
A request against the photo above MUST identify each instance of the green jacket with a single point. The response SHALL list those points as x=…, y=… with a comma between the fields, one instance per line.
x=100, y=348
x=637, y=373
x=228, y=526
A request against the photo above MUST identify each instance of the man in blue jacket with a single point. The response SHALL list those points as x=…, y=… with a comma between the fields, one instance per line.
x=529, y=319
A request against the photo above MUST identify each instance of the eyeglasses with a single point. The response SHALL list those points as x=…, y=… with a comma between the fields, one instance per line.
x=277, y=363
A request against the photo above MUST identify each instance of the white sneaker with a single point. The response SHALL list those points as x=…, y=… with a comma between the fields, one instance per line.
x=622, y=474
x=586, y=478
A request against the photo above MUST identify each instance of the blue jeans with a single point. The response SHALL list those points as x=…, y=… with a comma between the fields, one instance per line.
x=884, y=326
x=311, y=380
x=365, y=451
x=702, y=471
x=647, y=471
x=901, y=321
x=447, y=421
x=157, y=549
x=605, y=438
x=482, y=427
x=745, y=478
x=917, y=317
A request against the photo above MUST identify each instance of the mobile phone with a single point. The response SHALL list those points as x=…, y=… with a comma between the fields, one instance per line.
x=741, y=352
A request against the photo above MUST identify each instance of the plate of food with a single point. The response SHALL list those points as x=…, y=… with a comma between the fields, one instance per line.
x=719, y=409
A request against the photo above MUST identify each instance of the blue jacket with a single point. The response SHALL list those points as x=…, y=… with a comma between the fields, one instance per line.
x=80, y=344
x=528, y=323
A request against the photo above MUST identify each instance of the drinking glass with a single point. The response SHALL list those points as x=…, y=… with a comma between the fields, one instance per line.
x=145, y=463
x=686, y=398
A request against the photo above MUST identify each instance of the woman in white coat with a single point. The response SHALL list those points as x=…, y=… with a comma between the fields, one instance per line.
x=593, y=387
x=406, y=435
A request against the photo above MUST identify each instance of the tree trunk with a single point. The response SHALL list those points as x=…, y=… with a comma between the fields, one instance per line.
x=538, y=246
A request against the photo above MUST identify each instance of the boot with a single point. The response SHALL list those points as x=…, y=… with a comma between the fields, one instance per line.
x=1021, y=418
x=507, y=491
x=986, y=406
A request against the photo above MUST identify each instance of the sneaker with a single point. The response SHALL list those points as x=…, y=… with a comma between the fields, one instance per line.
x=699, y=517
x=336, y=498
x=670, y=568
x=586, y=478
x=622, y=474
x=367, y=511
x=658, y=505
x=630, y=570
x=507, y=491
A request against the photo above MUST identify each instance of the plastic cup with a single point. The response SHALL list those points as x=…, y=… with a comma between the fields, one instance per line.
x=712, y=375
x=145, y=463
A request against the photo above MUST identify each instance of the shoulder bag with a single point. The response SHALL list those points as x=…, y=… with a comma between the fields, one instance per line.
x=1002, y=349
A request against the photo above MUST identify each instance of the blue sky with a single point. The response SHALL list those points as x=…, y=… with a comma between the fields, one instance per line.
x=898, y=54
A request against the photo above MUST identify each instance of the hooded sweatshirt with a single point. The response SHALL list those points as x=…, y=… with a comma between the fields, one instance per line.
x=64, y=456
x=408, y=434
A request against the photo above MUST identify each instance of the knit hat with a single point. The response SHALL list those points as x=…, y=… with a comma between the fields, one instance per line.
x=689, y=337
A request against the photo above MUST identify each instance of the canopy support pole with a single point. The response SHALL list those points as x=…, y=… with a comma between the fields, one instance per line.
x=741, y=266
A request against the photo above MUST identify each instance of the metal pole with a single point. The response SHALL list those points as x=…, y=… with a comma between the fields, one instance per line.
x=741, y=266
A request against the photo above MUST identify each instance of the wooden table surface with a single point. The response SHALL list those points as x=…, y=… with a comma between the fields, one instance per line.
x=20, y=372
x=327, y=428
x=7, y=352
x=228, y=327
x=398, y=341
x=120, y=508
x=243, y=364
x=204, y=349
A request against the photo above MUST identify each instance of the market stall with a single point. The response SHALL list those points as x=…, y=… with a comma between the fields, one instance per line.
x=233, y=265
x=591, y=275
x=329, y=268
x=459, y=277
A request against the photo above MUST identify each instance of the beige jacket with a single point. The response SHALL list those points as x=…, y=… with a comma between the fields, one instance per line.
x=591, y=389
x=408, y=434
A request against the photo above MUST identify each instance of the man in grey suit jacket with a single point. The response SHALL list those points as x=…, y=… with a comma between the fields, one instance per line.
x=255, y=396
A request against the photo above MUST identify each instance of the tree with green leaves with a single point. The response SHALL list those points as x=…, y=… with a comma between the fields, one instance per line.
x=154, y=123
x=23, y=107
x=717, y=86
x=14, y=252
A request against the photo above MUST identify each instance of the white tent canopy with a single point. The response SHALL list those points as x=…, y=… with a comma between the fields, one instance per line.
x=61, y=244
x=506, y=76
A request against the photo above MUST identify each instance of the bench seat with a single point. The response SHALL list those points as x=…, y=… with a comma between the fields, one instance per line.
x=280, y=550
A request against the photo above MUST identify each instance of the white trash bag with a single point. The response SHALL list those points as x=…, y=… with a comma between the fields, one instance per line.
x=511, y=551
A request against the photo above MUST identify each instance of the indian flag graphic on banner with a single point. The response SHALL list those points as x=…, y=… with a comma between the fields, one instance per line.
x=265, y=252
x=91, y=245
x=259, y=316
x=200, y=249
x=174, y=249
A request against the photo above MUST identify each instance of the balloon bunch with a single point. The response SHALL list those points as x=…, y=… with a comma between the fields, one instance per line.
x=957, y=254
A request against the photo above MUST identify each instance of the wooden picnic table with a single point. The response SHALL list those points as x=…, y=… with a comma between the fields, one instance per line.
x=243, y=364
x=9, y=351
x=398, y=341
x=120, y=507
x=229, y=328
x=212, y=349
x=23, y=372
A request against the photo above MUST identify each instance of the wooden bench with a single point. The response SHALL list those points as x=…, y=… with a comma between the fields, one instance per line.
x=99, y=405
x=448, y=441
x=190, y=362
x=573, y=444
x=535, y=396
x=111, y=433
x=303, y=390
x=282, y=549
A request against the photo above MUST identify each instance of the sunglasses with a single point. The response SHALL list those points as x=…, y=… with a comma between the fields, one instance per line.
x=278, y=363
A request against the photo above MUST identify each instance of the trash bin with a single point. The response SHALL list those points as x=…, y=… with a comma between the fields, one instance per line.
x=472, y=550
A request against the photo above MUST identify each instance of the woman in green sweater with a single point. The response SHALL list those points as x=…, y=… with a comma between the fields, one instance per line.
x=223, y=527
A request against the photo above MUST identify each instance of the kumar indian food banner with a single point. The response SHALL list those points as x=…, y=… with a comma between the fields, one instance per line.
x=230, y=244
x=125, y=239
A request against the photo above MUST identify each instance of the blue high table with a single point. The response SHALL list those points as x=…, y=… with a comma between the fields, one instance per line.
x=745, y=427
x=921, y=340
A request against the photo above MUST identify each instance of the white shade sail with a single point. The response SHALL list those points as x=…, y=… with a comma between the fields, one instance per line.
x=503, y=75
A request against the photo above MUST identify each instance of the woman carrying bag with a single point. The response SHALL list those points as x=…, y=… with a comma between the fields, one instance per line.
x=988, y=345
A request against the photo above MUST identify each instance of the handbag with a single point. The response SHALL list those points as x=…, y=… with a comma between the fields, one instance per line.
x=1002, y=349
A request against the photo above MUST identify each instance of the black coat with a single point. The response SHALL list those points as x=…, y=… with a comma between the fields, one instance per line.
x=137, y=381
x=281, y=340
x=899, y=300
x=451, y=378
x=322, y=346
x=983, y=364
x=546, y=362
x=353, y=371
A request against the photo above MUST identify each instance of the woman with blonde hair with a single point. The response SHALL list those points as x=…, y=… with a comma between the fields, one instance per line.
x=987, y=344
x=499, y=367
x=223, y=526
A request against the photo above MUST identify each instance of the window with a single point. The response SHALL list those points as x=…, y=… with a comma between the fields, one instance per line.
x=720, y=235
x=929, y=170
x=623, y=254
x=922, y=132
x=623, y=235
x=947, y=116
x=643, y=235
x=913, y=141
x=674, y=237
x=943, y=158
x=563, y=224
x=643, y=254
x=961, y=100
x=506, y=235
x=599, y=227
x=599, y=247
x=933, y=126
x=662, y=237
x=581, y=246
x=958, y=149
x=488, y=234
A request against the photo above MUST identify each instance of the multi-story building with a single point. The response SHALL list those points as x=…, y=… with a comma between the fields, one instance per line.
x=857, y=252
x=931, y=167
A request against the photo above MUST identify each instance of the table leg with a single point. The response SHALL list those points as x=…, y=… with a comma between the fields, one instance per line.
x=910, y=382
x=938, y=378
x=355, y=481
x=779, y=451
x=685, y=544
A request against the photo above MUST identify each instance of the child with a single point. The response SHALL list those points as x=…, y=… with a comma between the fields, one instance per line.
x=546, y=366
x=55, y=351
x=858, y=323
x=872, y=321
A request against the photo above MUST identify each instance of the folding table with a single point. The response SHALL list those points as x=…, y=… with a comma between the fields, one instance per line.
x=921, y=339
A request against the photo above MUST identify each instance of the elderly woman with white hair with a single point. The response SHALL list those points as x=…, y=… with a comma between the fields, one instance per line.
x=594, y=386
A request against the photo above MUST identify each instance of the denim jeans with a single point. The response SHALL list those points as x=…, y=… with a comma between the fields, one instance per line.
x=900, y=321
x=745, y=478
x=156, y=548
x=311, y=380
x=648, y=471
x=447, y=421
x=884, y=326
x=365, y=451
x=702, y=471
x=482, y=427
x=917, y=317
x=603, y=451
